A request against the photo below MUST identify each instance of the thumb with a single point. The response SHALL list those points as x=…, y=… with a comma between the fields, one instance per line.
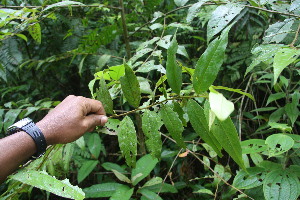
x=94, y=120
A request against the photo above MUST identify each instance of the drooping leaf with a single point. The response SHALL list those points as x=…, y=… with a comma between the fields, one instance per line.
x=162, y=188
x=101, y=190
x=103, y=95
x=94, y=144
x=86, y=168
x=282, y=59
x=143, y=168
x=149, y=194
x=61, y=4
x=276, y=96
x=281, y=184
x=153, y=181
x=121, y=176
x=292, y=112
x=35, y=32
x=140, y=54
x=10, y=117
x=252, y=178
x=209, y=64
x=151, y=123
x=67, y=156
x=278, y=144
x=122, y=193
x=113, y=166
x=128, y=141
x=278, y=31
x=220, y=106
x=226, y=134
x=204, y=191
x=173, y=124
x=221, y=17
x=130, y=87
x=174, y=72
x=200, y=125
x=43, y=181
x=234, y=90
x=193, y=10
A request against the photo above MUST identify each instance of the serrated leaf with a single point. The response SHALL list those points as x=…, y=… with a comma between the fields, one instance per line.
x=193, y=10
x=174, y=72
x=220, y=106
x=130, y=87
x=281, y=184
x=226, y=134
x=35, y=32
x=43, y=181
x=200, y=125
x=279, y=144
x=103, y=95
x=221, y=17
x=94, y=144
x=143, y=168
x=122, y=193
x=101, y=190
x=63, y=3
x=173, y=124
x=209, y=64
x=121, y=176
x=149, y=195
x=254, y=177
x=282, y=59
x=128, y=141
x=86, y=168
x=278, y=31
x=151, y=123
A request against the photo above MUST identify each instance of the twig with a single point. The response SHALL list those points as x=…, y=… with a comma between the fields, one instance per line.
x=63, y=6
x=125, y=31
x=296, y=37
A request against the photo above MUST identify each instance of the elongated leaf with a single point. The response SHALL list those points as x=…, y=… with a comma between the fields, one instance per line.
x=253, y=146
x=282, y=59
x=143, y=168
x=279, y=144
x=151, y=125
x=128, y=141
x=103, y=95
x=94, y=145
x=35, y=32
x=193, y=10
x=130, y=87
x=209, y=64
x=63, y=3
x=200, y=125
x=150, y=195
x=153, y=181
x=234, y=90
x=113, y=166
x=122, y=193
x=220, y=106
x=43, y=181
x=174, y=72
x=121, y=176
x=10, y=117
x=162, y=188
x=221, y=17
x=276, y=96
x=101, y=190
x=252, y=178
x=281, y=184
x=227, y=136
x=173, y=124
x=291, y=110
x=86, y=168
x=278, y=31
x=180, y=2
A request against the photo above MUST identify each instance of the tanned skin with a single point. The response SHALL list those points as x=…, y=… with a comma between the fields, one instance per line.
x=68, y=121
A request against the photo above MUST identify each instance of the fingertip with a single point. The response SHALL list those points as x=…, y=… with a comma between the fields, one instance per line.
x=104, y=119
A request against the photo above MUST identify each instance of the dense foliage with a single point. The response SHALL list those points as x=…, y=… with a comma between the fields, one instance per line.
x=202, y=97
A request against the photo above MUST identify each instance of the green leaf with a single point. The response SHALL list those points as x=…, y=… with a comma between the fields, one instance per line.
x=94, y=144
x=180, y=2
x=103, y=95
x=204, y=191
x=43, y=181
x=282, y=59
x=209, y=64
x=233, y=90
x=130, y=87
x=252, y=178
x=162, y=188
x=101, y=190
x=253, y=146
x=193, y=10
x=143, y=168
x=282, y=127
x=221, y=17
x=173, y=124
x=150, y=195
x=10, y=117
x=151, y=123
x=22, y=36
x=292, y=112
x=35, y=32
x=62, y=4
x=113, y=166
x=140, y=54
x=67, y=156
x=276, y=96
x=220, y=106
x=278, y=144
x=153, y=181
x=128, y=141
x=80, y=67
x=1, y=119
x=122, y=193
x=278, y=31
x=174, y=72
x=86, y=168
x=102, y=61
x=200, y=125
x=281, y=184
x=116, y=72
x=121, y=176
x=227, y=136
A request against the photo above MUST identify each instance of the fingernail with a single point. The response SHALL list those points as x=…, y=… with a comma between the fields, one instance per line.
x=104, y=119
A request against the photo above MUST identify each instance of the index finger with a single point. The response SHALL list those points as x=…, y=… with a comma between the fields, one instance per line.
x=94, y=106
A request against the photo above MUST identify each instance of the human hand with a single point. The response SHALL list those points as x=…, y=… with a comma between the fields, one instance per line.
x=74, y=116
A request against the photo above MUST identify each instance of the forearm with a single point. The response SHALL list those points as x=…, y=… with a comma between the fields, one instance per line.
x=14, y=151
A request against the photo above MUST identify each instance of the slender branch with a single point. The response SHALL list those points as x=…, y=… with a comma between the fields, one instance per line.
x=296, y=37
x=125, y=31
x=63, y=6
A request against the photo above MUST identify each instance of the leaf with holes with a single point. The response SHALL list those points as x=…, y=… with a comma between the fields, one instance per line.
x=128, y=141
x=151, y=125
x=103, y=95
x=174, y=72
x=200, y=125
x=221, y=17
x=43, y=181
x=173, y=124
x=130, y=87
x=281, y=184
x=209, y=64
x=253, y=146
x=252, y=178
x=278, y=31
x=35, y=32
x=278, y=144
x=193, y=10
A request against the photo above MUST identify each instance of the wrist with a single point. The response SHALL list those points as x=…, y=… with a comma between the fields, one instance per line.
x=47, y=132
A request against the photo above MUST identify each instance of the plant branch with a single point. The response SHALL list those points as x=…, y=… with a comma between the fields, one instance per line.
x=63, y=6
x=296, y=37
x=125, y=31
